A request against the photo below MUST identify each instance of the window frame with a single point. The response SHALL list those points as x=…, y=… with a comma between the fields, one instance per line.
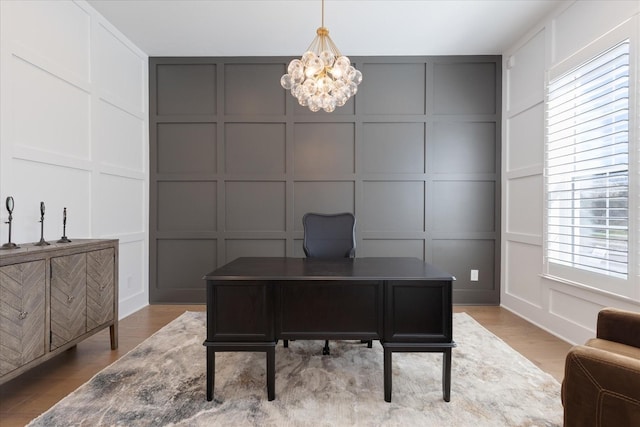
x=628, y=288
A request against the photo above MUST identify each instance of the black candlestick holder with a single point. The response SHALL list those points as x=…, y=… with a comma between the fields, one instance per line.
x=42, y=241
x=64, y=238
x=9, y=244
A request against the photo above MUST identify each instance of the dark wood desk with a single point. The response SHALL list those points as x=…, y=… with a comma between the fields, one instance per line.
x=403, y=302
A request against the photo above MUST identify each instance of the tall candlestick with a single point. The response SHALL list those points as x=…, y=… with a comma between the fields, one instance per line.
x=64, y=238
x=42, y=241
x=9, y=204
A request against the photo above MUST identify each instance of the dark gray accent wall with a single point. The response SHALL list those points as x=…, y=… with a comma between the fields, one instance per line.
x=235, y=162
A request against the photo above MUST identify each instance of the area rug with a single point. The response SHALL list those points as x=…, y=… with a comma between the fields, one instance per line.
x=162, y=383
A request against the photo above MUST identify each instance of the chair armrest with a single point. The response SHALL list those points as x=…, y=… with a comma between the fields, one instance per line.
x=620, y=326
x=600, y=388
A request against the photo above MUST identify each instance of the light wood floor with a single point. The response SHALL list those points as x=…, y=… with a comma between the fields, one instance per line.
x=29, y=395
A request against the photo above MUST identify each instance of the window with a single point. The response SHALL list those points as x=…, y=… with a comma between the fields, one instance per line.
x=587, y=170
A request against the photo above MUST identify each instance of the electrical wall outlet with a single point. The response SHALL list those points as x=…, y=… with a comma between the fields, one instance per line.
x=474, y=275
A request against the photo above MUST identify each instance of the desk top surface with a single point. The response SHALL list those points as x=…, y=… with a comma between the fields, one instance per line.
x=272, y=268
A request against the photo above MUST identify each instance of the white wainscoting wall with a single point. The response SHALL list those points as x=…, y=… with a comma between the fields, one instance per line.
x=567, y=311
x=74, y=134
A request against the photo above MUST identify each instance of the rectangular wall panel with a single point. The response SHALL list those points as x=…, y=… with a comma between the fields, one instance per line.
x=254, y=148
x=321, y=197
x=393, y=148
x=324, y=148
x=186, y=148
x=119, y=83
x=34, y=120
x=67, y=46
x=117, y=132
x=187, y=206
x=255, y=206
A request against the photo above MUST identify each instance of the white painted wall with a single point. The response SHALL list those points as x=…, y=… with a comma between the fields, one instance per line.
x=565, y=310
x=74, y=132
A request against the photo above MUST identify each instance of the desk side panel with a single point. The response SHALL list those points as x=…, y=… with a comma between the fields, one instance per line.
x=418, y=311
x=240, y=311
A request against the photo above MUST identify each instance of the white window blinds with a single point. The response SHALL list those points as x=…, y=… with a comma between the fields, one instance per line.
x=587, y=170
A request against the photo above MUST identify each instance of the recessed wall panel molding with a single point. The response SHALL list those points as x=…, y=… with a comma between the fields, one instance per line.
x=414, y=155
x=181, y=263
x=130, y=262
x=185, y=89
x=255, y=148
x=255, y=206
x=467, y=147
x=466, y=206
x=115, y=132
x=187, y=206
x=574, y=309
x=393, y=206
x=526, y=135
x=525, y=205
x=321, y=197
x=246, y=92
x=119, y=84
x=523, y=275
x=63, y=187
x=460, y=257
x=75, y=131
x=64, y=129
x=186, y=148
x=393, y=148
x=63, y=46
x=524, y=66
x=465, y=88
x=115, y=202
x=393, y=88
x=324, y=148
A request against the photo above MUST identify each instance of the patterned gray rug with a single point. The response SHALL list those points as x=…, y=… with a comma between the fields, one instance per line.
x=162, y=382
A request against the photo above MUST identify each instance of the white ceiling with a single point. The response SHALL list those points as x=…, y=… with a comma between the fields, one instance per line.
x=358, y=27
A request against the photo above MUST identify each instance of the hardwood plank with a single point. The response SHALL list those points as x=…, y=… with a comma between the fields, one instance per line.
x=32, y=393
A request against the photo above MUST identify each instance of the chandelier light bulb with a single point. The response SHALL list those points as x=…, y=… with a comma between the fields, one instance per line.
x=322, y=78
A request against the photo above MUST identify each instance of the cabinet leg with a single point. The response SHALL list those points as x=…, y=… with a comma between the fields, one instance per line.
x=113, y=333
x=211, y=372
x=387, y=375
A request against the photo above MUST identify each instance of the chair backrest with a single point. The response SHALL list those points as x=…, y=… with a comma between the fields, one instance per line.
x=329, y=235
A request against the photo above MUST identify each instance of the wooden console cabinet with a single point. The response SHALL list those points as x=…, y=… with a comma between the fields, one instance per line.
x=52, y=297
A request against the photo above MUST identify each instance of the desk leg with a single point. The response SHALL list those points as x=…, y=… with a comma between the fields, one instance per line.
x=387, y=374
x=271, y=373
x=446, y=375
x=211, y=372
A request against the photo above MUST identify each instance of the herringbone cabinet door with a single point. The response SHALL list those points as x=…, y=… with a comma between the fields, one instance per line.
x=100, y=287
x=68, y=298
x=22, y=314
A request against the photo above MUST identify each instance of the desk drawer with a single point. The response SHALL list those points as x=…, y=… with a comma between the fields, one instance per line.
x=329, y=309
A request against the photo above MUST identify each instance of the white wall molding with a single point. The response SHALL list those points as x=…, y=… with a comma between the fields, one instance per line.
x=76, y=106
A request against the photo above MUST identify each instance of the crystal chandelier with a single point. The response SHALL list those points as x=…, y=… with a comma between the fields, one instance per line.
x=323, y=78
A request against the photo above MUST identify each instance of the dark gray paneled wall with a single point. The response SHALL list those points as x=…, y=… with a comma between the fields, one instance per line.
x=235, y=163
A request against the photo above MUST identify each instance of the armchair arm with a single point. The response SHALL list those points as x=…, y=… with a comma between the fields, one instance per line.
x=600, y=388
x=620, y=326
